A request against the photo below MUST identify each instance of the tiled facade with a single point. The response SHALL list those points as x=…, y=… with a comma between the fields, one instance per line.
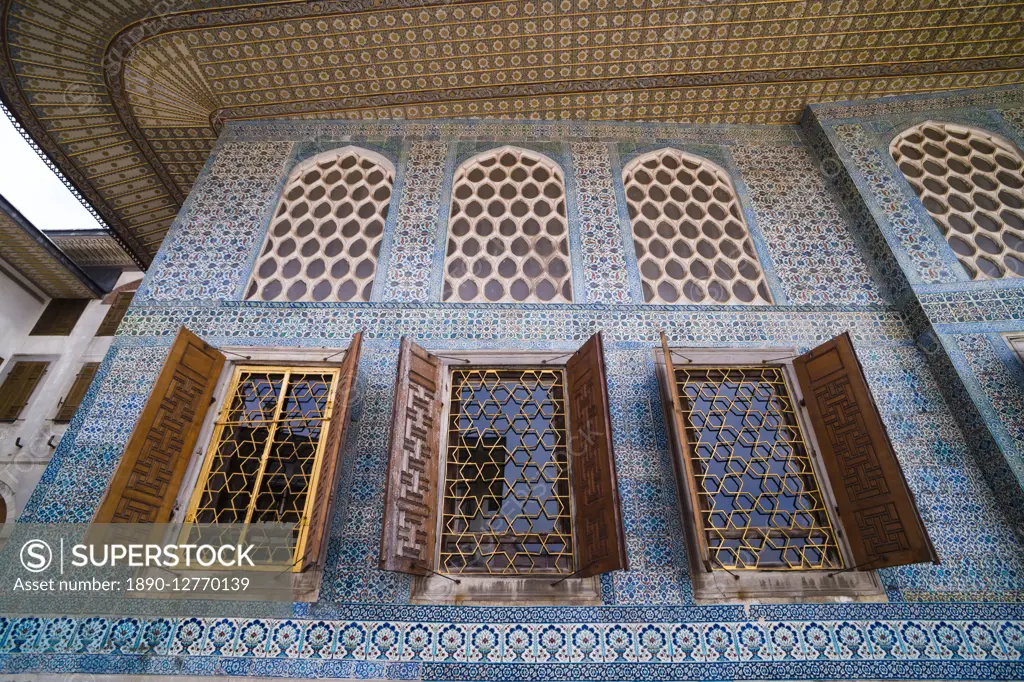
x=844, y=244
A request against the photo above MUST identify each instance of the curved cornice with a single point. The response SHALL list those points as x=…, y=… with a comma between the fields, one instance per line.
x=128, y=201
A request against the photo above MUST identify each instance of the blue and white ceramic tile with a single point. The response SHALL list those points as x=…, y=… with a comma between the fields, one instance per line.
x=849, y=250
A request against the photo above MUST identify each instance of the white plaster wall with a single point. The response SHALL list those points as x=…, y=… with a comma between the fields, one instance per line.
x=27, y=445
x=19, y=309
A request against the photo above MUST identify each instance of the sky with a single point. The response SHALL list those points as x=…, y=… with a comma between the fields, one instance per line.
x=27, y=182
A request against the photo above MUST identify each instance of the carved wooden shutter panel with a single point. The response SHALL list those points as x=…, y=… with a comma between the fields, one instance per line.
x=409, y=534
x=875, y=504
x=158, y=452
x=59, y=317
x=18, y=388
x=77, y=393
x=597, y=511
x=115, y=313
x=682, y=461
x=319, y=517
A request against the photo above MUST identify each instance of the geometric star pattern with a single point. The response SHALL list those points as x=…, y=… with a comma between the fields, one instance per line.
x=264, y=451
x=506, y=491
x=759, y=496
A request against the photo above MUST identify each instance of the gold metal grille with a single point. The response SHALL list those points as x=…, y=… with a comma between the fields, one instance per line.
x=506, y=494
x=264, y=455
x=759, y=496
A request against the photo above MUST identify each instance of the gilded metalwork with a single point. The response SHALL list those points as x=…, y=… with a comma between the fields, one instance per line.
x=760, y=498
x=263, y=456
x=127, y=101
x=506, y=506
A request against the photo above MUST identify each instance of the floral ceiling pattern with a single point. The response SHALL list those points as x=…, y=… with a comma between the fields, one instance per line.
x=126, y=97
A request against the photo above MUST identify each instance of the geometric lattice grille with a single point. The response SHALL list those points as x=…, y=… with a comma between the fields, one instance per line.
x=264, y=451
x=506, y=496
x=325, y=238
x=691, y=240
x=507, y=235
x=972, y=184
x=759, y=496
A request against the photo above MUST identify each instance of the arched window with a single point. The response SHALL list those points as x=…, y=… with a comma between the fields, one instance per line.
x=971, y=183
x=691, y=240
x=325, y=236
x=508, y=239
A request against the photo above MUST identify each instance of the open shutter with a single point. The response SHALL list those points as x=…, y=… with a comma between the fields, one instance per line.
x=77, y=393
x=154, y=462
x=326, y=478
x=600, y=537
x=682, y=460
x=115, y=313
x=875, y=504
x=18, y=388
x=409, y=534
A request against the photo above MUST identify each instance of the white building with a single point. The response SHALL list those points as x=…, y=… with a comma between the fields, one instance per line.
x=58, y=314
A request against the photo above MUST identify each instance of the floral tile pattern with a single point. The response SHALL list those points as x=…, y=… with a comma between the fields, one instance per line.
x=878, y=274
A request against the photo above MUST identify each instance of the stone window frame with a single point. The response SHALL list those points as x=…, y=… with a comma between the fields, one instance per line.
x=548, y=588
x=484, y=282
x=304, y=586
x=767, y=585
x=1015, y=340
x=363, y=282
x=978, y=231
x=704, y=248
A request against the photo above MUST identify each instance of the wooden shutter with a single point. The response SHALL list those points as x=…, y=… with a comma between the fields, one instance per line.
x=77, y=393
x=409, y=533
x=18, y=388
x=875, y=504
x=318, y=518
x=59, y=317
x=115, y=313
x=152, y=466
x=682, y=462
x=600, y=537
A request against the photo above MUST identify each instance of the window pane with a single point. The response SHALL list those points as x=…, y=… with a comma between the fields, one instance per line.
x=289, y=470
x=265, y=453
x=506, y=495
x=761, y=501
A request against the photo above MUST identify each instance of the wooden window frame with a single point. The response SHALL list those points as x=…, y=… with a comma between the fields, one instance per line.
x=9, y=366
x=88, y=368
x=764, y=585
x=53, y=314
x=303, y=585
x=115, y=313
x=523, y=588
x=321, y=446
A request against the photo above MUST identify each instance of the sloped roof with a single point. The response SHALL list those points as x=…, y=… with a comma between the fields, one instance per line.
x=88, y=248
x=39, y=260
x=127, y=96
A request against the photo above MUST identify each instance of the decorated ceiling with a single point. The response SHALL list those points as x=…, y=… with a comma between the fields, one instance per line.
x=126, y=97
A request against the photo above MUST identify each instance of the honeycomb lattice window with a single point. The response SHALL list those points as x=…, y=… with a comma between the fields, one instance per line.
x=325, y=237
x=508, y=239
x=972, y=184
x=691, y=240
